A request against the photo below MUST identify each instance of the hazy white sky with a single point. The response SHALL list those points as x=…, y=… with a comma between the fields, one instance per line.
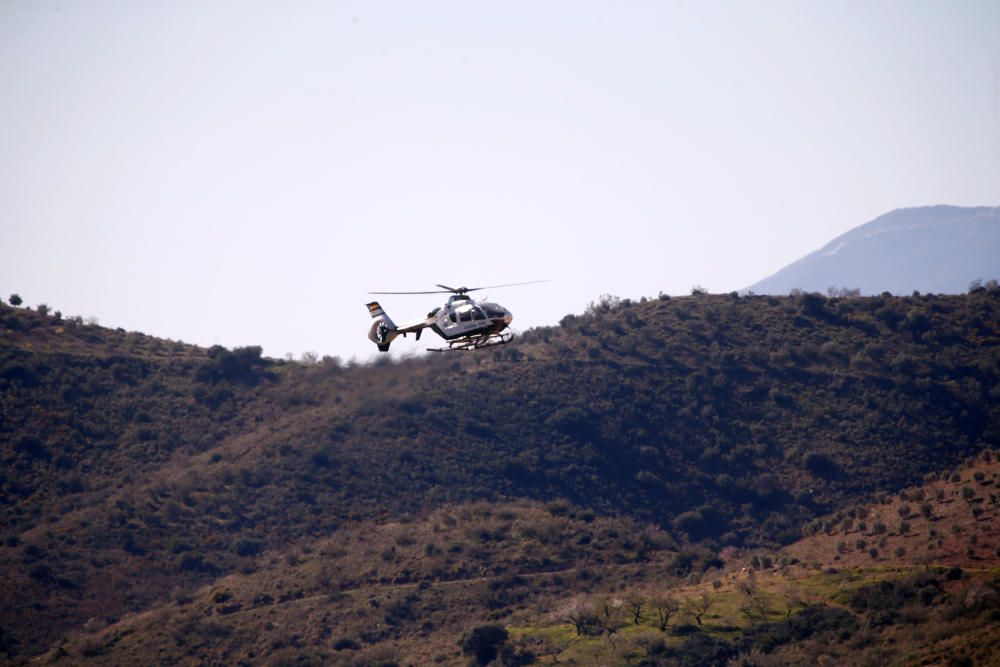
x=243, y=173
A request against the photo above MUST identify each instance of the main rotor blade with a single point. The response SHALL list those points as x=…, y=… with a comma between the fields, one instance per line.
x=530, y=282
x=437, y=291
x=462, y=290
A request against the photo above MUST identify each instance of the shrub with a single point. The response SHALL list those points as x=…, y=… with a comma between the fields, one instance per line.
x=346, y=644
x=484, y=642
x=219, y=596
x=820, y=464
x=32, y=446
x=195, y=562
x=814, y=620
x=701, y=649
x=812, y=303
x=248, y=546
x=241, y=365
x=15, y=300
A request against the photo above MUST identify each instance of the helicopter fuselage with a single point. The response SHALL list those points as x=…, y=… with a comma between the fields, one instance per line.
x=463, y=316
x=465, y=323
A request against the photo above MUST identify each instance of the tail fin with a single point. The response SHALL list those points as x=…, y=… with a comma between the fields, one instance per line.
x=383, y=330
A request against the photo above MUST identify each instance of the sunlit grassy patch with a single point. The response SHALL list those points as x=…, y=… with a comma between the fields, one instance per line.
x=560, y=634
x=838, y=586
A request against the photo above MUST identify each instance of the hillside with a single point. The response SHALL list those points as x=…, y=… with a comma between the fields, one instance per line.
x=914, y=589
x=934, y=249
x=634, y=443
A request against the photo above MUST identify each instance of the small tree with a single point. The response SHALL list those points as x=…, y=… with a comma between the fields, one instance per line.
x=698, y=607
x=15, y=300
x=754, y=604
x=610, y=606
x=666, y=606
x=635, y=602
x=793, y=600
x=579, y=611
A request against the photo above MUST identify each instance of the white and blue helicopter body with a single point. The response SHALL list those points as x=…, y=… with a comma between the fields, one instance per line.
x=464, y=323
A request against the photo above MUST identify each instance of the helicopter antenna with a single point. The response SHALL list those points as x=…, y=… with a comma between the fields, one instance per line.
x=445, y=289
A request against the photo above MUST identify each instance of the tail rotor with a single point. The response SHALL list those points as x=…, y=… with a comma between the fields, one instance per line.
x=383, y=330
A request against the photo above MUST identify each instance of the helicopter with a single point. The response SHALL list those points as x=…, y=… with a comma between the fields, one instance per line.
x=464, y=323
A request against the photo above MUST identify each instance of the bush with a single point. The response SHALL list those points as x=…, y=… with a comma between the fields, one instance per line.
x=248, y=547
x=701, y=649
x=195, y=562
x=15, y=300
x=346, y=644
x=32, y=446
x=814, y=620
x=484, y=642
x=241, y=365
x=820, y=464
x=701, y=522
x=812, y=303
x=886, y=599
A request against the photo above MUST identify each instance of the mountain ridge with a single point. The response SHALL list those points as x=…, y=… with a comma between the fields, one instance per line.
x=934, y=249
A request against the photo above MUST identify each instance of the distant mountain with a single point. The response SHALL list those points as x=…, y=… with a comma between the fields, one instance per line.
x=931, y=249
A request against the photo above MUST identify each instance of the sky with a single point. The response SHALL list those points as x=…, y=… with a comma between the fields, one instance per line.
x=244, y=173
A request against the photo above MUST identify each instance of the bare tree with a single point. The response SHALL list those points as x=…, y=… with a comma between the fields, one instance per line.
x=754, y=604
x=793, y=599
x=609, y=605
x=698, y=607
x=666, y=606
x=579, y=611
x=635, y=602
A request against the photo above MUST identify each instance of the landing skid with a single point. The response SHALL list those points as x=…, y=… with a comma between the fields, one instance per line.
x=475, y=342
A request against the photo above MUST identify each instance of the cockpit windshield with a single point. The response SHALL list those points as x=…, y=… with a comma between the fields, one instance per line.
x=468, y=313
x=493, y=311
